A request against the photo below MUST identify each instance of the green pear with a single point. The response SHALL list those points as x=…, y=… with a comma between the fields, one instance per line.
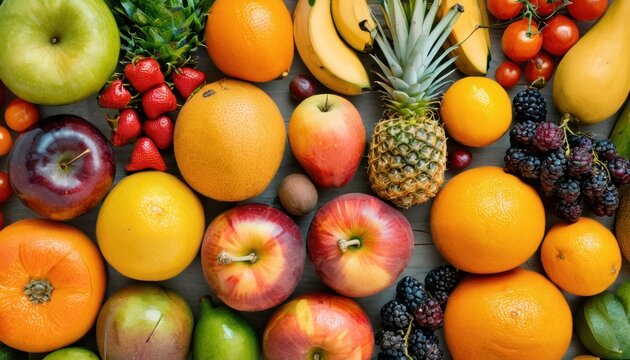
x=72, y=353
x=222, y=333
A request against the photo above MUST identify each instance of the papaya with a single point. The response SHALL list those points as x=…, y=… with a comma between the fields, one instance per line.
x=593, y=78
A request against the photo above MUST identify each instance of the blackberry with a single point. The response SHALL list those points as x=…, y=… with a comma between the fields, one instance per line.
x=619, y=168
x=529, y=167
x=580, y=140
x=529, y=104
x=513, y=157
x=580, y=161
x=595, y=183
x=391, y=354
x=568, y=190
x=410, y=292
x=548, y=136
x=394, y=340
x=394, y=315
x=441, y=281
x=429, y=314
x=424, y=345
x=522, y=133
x=552, y=170
x=605, y=149
x=607, y=203
x=567, y=211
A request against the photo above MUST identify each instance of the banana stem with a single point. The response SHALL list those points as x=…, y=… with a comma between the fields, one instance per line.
x=344, y=244
x=224, y=258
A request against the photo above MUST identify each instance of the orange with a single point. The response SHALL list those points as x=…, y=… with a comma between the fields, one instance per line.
x=150, y=226
x=517, y=315
x=250, y=39
x=582, y=258
x=486, y=221
x=20, y=115
x=476, y=111
x=65, y=275
x=229, y=140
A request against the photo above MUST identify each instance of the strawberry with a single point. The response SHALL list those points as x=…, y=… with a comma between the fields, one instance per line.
x=160, y=130
x=159, y=100
x=145, y=155
x=187, y=80
x=114, y=96
x=125, y=127
x=144, y=74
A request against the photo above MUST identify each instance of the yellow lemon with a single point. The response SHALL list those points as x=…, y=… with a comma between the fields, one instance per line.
x=476, y=111
x=150, y=226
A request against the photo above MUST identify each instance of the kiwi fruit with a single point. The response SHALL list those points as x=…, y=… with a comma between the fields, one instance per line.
x=297, y=194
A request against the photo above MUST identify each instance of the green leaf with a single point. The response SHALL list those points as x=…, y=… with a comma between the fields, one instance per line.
x=603, y=326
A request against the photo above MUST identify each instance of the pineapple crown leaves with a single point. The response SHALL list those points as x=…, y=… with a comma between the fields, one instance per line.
x=414, y=70
x=168, y=30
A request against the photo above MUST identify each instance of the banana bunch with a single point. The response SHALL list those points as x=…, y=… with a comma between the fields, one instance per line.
x=318, y=29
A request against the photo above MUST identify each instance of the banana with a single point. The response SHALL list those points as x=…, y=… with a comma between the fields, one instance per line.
x=328, y=58
x=354, y=23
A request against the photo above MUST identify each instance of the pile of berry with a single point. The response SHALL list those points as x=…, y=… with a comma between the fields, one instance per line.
x=570, y=168
x=410, y=320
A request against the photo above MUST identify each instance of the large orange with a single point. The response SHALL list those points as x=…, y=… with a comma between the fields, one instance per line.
x=582, y=258
x=515, y=315
x=250, y=39
x=486, y=221
x=52, y=283
x=476, y=111
x=229, y=140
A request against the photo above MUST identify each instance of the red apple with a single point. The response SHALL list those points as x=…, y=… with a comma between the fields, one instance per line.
x=359, y=245
x=62, y=167
x=327, y=138
x=319, y=326
x=252, y=257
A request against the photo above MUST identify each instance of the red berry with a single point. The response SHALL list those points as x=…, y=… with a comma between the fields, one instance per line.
x=144, y=74
x=158, y=100
x=459, y=158
x=301, y=87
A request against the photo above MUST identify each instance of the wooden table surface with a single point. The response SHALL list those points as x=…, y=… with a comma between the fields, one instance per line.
x=191, y=283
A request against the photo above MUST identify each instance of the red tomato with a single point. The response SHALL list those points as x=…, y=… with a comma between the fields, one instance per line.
x=508, y=74
x=5, y=141
x=5, y=187
x=560, y=34
x=504, y=9
x=521, y=43
x=545, y=8
x=540, y=66
x=587, y=10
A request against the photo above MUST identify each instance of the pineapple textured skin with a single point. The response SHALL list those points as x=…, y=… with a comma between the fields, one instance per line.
x=407, y=159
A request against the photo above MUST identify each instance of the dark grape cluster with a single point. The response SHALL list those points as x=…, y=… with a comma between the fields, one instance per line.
x=571, y=169
x=409, y=321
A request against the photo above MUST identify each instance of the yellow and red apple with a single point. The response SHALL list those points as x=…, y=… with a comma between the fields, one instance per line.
x=319, y=326
x=327, y=137
x=359, y=245
x=252, y=257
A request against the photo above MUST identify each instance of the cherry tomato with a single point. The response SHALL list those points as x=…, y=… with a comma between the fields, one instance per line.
x=540, y=66
x=560, y=34
x=508, y=74
x=5, y=187
x=519, y=42
x=504, y=9
x=545, y=8
x=20, y=115
x=587, y=10
x=5, y=141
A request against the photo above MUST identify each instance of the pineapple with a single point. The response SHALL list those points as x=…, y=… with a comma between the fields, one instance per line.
x=407, y=155
x=168, y=30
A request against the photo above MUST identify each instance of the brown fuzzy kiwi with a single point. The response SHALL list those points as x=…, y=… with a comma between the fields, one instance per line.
x=297, y=194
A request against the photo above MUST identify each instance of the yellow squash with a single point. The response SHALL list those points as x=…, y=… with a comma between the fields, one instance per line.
x=473, y=55
x=593, y=79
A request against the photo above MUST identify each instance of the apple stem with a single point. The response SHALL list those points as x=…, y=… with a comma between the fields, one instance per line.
x=344, y=244
x=325, y=107
x=65, y=164
x=315, y=356
x=224, y=258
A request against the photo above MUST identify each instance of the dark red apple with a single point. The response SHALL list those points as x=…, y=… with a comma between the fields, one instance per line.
x=319, y=326
x=359, y=245
x=62, y=167
x=252, y=257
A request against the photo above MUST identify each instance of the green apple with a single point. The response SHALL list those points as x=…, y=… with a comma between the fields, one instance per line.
x=72, y=353
x=57, y=52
